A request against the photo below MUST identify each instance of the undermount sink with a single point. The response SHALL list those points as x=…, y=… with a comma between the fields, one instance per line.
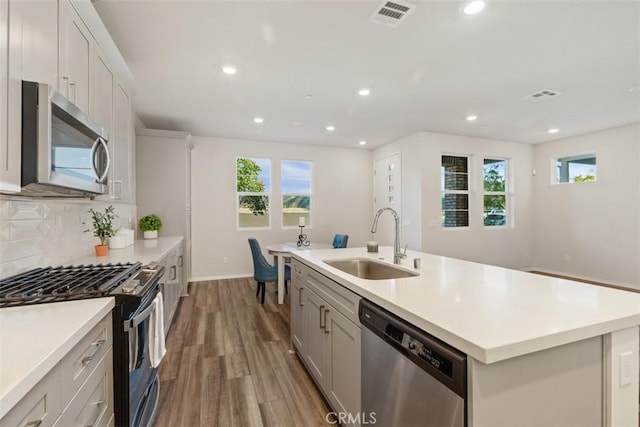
x=366, y=268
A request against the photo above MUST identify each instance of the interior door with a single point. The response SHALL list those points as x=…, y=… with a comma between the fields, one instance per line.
x=387, y=192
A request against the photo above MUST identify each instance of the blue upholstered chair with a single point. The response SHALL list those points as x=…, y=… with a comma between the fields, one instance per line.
x=263, y=271
x=340, y=241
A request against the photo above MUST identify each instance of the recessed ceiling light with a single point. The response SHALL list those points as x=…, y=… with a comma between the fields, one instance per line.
x=296, y=123
x=364, y=91
x=362, y=142
x=258, y=119
x=229, y=69
x=471, y=118
x=553, y=130
x=308, y=96
x=473, y=7
x=330, y=128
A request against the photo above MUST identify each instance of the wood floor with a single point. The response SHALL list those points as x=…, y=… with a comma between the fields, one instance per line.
x=228, y=362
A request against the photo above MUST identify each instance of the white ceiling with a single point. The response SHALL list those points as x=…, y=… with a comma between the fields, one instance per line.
x=431, y=71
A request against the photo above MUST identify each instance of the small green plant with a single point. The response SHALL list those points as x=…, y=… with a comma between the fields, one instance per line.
x=150, y=223
x=102, y=224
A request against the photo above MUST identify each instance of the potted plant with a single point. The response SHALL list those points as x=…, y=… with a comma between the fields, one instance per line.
x=150, y=224
x=102, y=228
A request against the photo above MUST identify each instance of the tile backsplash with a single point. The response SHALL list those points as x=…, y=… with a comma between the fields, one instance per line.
x=43, y=232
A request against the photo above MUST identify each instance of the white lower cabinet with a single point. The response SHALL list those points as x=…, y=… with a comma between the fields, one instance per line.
x=326, y=333
x=173, y=283
x=78, y=391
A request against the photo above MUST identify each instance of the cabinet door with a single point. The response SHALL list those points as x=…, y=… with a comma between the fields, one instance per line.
x=9, y=163
x=316, y=352
x=122, y=146
x=298, y=315
x=102, y=105
x=343, y=367
x=76, y=44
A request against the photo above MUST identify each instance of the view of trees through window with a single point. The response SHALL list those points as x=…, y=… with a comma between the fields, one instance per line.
x=253, y=187
x=455, y=191
x=495, y=192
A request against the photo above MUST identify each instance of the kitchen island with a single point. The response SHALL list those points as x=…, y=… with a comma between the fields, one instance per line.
x=540, y=350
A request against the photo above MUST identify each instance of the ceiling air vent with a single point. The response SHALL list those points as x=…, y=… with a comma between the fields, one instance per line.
x=391, y=13
x=544, y=94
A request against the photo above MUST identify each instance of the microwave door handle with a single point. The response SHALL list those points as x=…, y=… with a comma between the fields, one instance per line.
x=101, y=177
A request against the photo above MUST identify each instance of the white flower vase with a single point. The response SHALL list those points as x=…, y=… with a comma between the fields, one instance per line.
x=153, y=234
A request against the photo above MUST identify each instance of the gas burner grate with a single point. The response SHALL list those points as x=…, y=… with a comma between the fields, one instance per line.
x=43, y=285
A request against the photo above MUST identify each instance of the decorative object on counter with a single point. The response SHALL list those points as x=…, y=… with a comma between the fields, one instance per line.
x=302, y=238
x=102, y=228
x=150, y=224
x=372, y=246
x=118, y=241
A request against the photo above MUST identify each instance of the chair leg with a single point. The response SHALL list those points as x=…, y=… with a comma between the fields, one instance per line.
x=263, y=291
x=286, y=288
x=257, y=288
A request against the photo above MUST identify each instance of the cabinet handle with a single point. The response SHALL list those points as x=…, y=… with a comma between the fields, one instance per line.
x=66, y=81
x=174, y=272
x=98, y=403
x=89, y=358
x=326, y=330
x=72, y=84
x=300, y=303
x=33, y=423
x=180, y=261
x=321, y=310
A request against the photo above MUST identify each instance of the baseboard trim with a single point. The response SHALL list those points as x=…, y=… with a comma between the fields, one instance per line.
x=559, y=275
x=229, y=276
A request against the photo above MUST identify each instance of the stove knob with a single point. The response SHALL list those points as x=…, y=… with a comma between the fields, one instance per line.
x=412, y=345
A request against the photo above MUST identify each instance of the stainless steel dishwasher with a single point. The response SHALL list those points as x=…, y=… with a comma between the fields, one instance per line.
x=409, y=378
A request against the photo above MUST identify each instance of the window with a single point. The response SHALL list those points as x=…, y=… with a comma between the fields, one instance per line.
x=576, y=169
x=455, y=191
x=296, y=192
x=253, y=187
x=495, y=192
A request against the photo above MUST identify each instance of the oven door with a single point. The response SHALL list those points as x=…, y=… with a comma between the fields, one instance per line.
x=144, y=389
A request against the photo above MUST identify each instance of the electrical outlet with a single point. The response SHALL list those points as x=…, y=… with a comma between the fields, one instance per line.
x=83, y=218
x=566, y=257
x=225, y=260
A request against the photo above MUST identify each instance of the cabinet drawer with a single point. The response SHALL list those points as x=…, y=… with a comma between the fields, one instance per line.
x=93, y=404
x=40, y=407
x=85, y=356
x=341, y=298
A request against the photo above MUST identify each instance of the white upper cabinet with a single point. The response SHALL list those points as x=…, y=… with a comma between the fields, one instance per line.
x=28, y=51
x=102, y=99
x=122, y=143
x=76, y=54
x=8, y=179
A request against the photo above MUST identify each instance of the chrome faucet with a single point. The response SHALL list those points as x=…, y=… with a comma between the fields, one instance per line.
x=397, y=255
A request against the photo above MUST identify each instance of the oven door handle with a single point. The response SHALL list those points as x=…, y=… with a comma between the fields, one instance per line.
x=133, y=323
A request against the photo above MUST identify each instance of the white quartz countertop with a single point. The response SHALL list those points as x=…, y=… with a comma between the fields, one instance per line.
x=34, y=338
x=490, y=313
x=144, y=251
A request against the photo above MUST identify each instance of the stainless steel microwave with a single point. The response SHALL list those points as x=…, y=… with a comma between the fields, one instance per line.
x=64, y=152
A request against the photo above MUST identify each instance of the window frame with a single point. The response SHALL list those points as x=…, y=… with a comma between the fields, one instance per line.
x=267, y=194
x=466, y=192
x=507, y=193
x=308, y=225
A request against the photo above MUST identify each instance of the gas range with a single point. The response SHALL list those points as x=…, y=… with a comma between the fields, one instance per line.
x=67, y=283
x=135, y=288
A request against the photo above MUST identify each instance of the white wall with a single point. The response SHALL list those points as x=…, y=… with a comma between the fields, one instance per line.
x=341, y=203
x=592, y=229
x=421, y=205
